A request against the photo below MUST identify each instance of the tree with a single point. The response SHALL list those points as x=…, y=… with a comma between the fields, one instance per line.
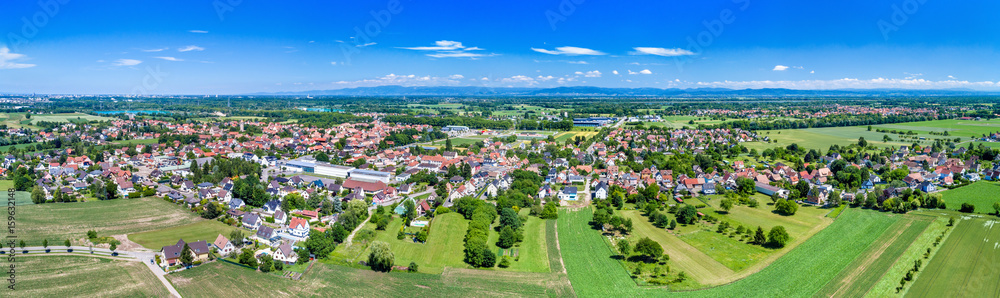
x=236, y=236
x=509, y=218
x=266, y=263
x=114, y=246
x=673, y=224
x=996, y=207
x=507, y=237
x=648, y=248
x=186, y=257
x=687, y=215
x=759, y=237
x=67, y=243
x=45, y=243
x=726, y=204
x=37, y=195
x=786, y=207
x=778, y=237
x=411, y=210
x=550, y=211
x=412, y=267
x=211, y=211
x=381, y=257
x=967, y=208
x=746, y=186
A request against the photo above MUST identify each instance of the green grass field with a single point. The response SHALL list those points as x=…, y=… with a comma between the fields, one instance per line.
x=965, y=266
x=21, y=198
x=443, y=248
x=801, y=272
x=84, y=276
x=206, y=230
x=866, y=270
x=67, y=117
x=890, y=280
x=982, y=194
x=683, y=256
x=61, y=221
x=822, y=138
x=226, y=280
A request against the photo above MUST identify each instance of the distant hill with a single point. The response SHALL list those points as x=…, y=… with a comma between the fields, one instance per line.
x=630, y=92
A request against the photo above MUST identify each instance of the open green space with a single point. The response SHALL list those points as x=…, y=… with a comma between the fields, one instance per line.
x=886, y=286
x=61, y=221
x=823, y=138
x=443, y=248
x=801, y=272
x=67, y=117
x=206, y=230
x=866, y=270
x=569, y=135
x=21, y=198
x=84, y=276
x=220, y=279
x=965, y=264
x=531, y=253
x=982, y=194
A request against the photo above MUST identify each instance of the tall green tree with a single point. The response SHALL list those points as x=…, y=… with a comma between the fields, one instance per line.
x=186, y=256
x=381, y=257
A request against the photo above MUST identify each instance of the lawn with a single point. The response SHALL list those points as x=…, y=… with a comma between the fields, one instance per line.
x=21, y=198
x=443, y=248
x=532, y=252
x=801, y=272
x=136, y=142
x=965, y=266
x=67, y=117
x=683, y=256
x=866, y=270
x=206, y=230
x=460, y=142
x=84, y=276
x=982, y=194
x=226, y=280
x=61, y=221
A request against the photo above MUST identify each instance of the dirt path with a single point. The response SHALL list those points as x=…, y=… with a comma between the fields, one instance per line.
x=351, y=236
x=128, y=245
x=561, y=262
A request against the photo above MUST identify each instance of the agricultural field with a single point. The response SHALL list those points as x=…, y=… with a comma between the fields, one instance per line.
x=206, y=230
x=866, y=270
x=982, y=194
x=79, y=276
x=683, y=256
x=965, y=264
x=220, y=279
x=562, y=137
x=937, y=229
x=822, y=138
x=594, y=273
x=61, y=221
x=531, y=253
x=67, y=117
x=137, y=142
x=21, y=198
x=520, y=109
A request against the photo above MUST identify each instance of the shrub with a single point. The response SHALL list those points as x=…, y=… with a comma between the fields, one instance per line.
x=967, y=208
x=504, y=262
x=412, y=267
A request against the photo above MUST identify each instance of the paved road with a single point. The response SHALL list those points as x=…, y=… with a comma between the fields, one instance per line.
x=147, y=258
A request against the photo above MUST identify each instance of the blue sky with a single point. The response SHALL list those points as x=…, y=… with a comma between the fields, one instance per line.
x=242, y=46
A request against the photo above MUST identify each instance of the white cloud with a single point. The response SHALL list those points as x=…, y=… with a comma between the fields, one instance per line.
x=198, y=31
x=191, y=48
x=951, y=77
x=589, y=74
x=614, y=71
x=155, y=50
x=577, y=62
x=571, y=51
x=333, y=63
x=812, y=71
x=5, y=60
x=456, y=77
x=661, y=52
x=169, y=58
x=852, y=83
x=450, y=49
x=126, y=62
x=367, y=44
x=545, y=78
x=644, y=71
x=780, y=68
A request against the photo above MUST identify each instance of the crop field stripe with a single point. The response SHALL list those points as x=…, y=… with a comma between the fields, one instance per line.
x=862, y=274
x=958, y=259
x=552, y=245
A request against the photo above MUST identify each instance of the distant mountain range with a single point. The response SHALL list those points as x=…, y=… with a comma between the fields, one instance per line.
x=631, y=92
